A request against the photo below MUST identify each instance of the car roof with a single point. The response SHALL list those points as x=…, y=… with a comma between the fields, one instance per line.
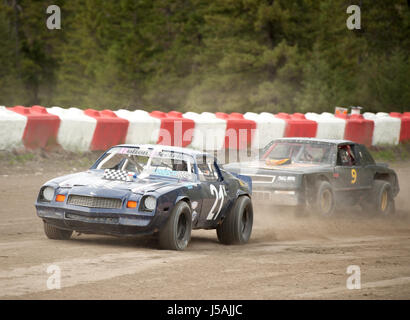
x=302, y=139
x=188, y=151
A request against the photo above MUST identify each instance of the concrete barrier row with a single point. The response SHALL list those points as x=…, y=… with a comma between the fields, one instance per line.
x=83, y=130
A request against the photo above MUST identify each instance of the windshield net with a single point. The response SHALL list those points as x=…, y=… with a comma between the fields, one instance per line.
x=148, y=162
x=299, y=152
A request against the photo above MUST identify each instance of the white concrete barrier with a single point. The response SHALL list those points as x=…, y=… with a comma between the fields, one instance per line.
x=209, y=131
x=268, y=127
x=386, y=128
x=328, y=126
x=142, y=127
x=76, y=128
x=12, y=127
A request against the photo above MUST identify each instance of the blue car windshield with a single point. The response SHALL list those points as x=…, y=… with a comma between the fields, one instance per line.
x=149, y=162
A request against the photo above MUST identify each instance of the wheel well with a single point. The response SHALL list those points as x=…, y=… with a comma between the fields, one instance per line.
x=311, y=180
x=243, y=194
x=322, y=178
x=310, y=186
x=385, y=177
x=185, y=199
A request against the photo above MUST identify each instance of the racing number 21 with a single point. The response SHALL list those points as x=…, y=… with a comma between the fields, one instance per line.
x=354, y=176
x=219, y=196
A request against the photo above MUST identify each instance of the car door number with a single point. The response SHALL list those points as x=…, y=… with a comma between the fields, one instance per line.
x=354, y=176
x=219, y=197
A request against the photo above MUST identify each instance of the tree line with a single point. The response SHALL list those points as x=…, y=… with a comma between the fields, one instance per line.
x=206, y=55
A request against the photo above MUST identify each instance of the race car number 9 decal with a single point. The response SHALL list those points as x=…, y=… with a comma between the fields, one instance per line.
x=219, y=196
x=354, y=176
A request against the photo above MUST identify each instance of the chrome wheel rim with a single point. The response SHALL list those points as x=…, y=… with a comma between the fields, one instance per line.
x=326, y=201
x=384, y=201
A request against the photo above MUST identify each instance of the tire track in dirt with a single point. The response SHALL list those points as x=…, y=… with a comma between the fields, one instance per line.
x=287, y=257
x=78, y=271
x=368, y=285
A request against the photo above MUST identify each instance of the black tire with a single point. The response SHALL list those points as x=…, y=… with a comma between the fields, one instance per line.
x=380, y=200
x=325, y=200
x=176, y=233
x=56, y=233
x=236, y=228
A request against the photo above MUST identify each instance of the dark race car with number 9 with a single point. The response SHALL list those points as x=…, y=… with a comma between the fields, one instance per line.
x=149, y=189
x=318, y=174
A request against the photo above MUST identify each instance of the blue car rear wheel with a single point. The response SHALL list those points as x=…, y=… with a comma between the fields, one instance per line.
x=236, y=228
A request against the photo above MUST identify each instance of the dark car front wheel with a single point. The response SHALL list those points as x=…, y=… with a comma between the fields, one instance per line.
x=176, y=233
x=325, y=201
x=236, y=228
x=56, y=233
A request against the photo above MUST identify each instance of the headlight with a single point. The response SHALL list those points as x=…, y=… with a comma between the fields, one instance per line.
x=149, y=203
x=48, y=193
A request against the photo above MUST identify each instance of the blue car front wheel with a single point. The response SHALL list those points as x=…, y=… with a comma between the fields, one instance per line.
x=56, y=233
x=176, y=233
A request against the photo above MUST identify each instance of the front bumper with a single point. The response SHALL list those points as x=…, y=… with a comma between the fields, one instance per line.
x=278, y=197
x=98, y=221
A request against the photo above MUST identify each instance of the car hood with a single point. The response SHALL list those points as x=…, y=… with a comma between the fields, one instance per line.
x=259, y=166
x=94, y=179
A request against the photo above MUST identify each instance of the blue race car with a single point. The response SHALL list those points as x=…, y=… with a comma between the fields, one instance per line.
x=149, y=189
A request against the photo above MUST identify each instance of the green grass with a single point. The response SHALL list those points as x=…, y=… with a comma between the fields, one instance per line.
x=400, y=152
x=20, y=158
x=83, y=160
x=57, y=159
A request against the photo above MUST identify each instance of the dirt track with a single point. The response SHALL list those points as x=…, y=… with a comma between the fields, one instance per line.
x=287, y=258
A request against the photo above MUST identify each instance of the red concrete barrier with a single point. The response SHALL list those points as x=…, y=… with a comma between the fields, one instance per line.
x=41, y=129
x=175, y=129
x=38, y=127
x=358, y=129
x=109, y=131
x=239, y=131
x=298, y=126
x=405, y=125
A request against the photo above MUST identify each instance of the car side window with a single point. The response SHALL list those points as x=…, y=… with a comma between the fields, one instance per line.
x=207, y=171
x=358, y=155
x=345, y=156
x=367, y=157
